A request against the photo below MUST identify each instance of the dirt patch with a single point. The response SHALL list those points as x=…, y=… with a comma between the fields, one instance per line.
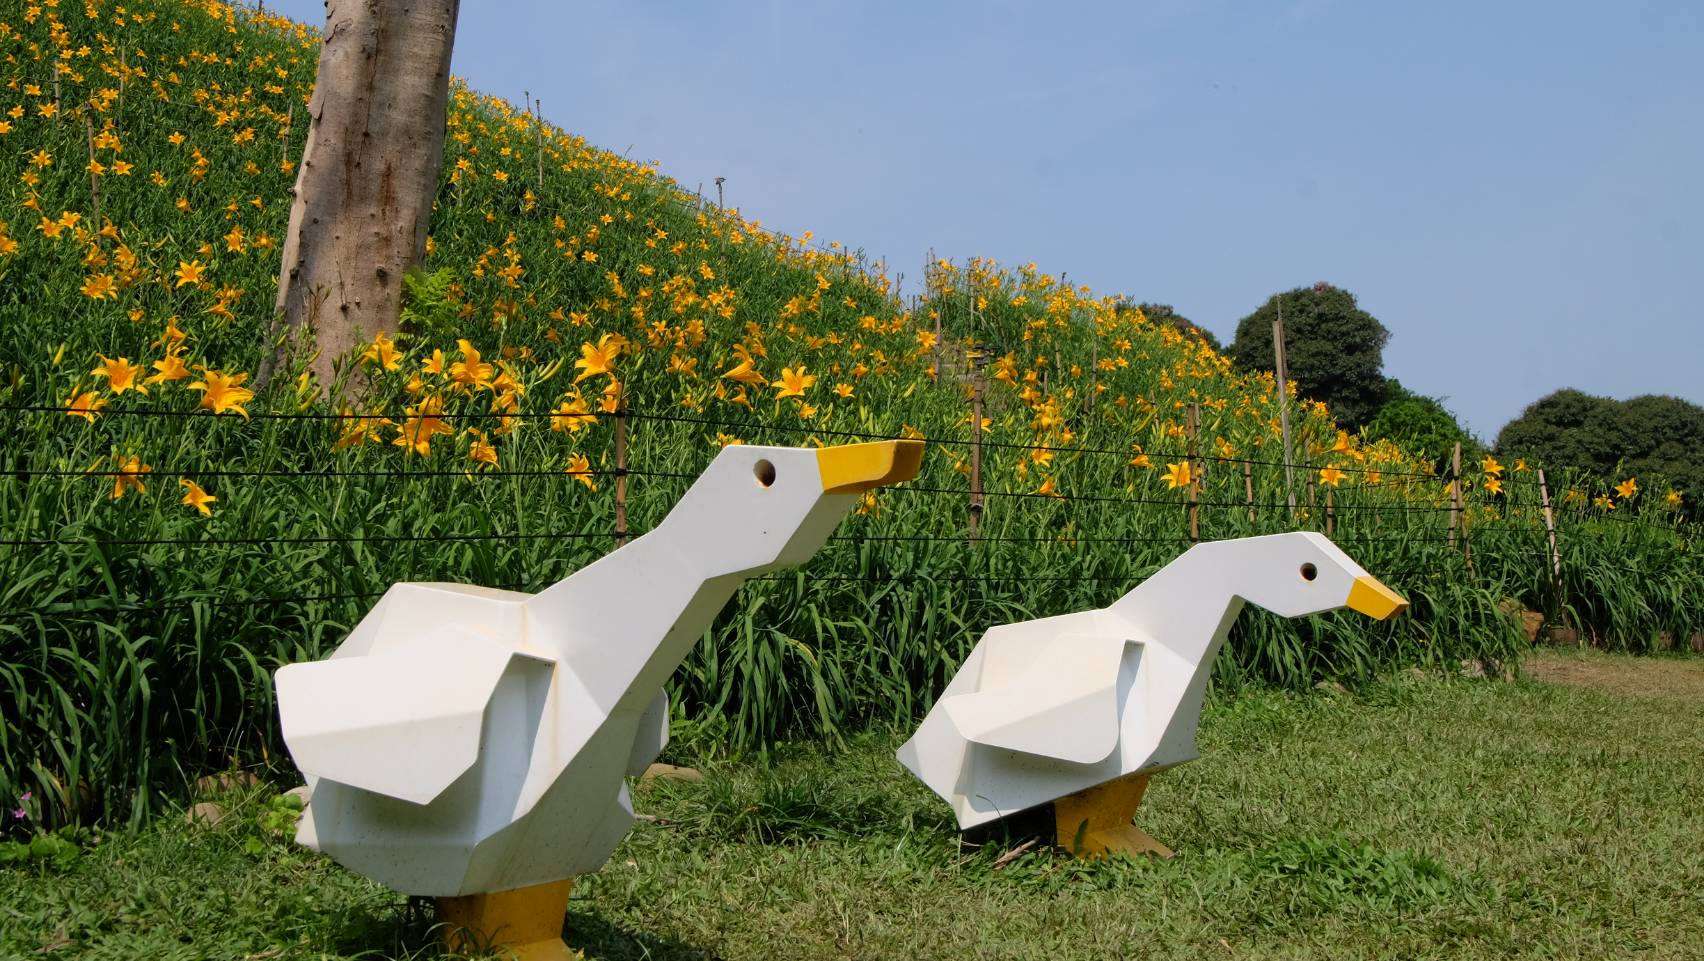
x=1668, y=678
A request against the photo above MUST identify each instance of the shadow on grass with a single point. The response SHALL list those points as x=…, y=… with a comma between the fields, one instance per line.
x=599, y=938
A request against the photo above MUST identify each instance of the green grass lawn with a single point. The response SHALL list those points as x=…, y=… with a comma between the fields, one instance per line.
x=1414, y=818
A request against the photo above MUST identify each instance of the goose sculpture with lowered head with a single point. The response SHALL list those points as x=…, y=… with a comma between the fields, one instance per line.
x=464, y=741
x=1078, y=710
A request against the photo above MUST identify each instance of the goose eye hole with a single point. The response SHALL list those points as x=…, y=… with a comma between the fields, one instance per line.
x=1309, y=572
x=764, y=471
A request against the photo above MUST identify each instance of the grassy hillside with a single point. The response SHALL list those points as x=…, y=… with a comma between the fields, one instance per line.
x=169, y=539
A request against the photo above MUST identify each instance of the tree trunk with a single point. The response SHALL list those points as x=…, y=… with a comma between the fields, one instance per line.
x=369, y=172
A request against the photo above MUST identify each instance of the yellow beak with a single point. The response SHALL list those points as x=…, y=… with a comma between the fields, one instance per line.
x=1375, y=600
x=856, y=468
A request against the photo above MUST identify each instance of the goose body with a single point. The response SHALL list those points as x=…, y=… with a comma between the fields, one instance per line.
x=1048, y=708
x=465, y=740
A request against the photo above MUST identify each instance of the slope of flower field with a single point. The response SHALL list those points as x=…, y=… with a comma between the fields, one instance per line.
x=174, y=531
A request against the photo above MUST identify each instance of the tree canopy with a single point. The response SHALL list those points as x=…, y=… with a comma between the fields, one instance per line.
x=1658, y=437
x=1422, y=426
x=1166, y=314
x=1333, y=348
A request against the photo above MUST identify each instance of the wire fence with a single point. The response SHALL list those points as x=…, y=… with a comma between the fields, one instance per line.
x=1455, y=529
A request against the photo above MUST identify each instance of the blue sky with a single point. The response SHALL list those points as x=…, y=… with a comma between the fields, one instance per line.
x=1515, y=189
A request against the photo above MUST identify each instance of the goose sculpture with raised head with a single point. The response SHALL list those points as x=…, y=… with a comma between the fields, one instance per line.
x=471, y=744
x=1078, y=710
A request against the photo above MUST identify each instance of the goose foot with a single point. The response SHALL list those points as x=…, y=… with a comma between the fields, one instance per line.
x=1095, y=823
x=524, y=924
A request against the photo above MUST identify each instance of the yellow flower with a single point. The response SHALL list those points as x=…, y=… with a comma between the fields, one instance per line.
x=793, y=383
x=170, y=368
x=843, y=390
x=424, y=420
x=197, y=498
x=1493, y=485
x=1142, y=461
x=221, y=392
x=1603, y=501
x=1673, y=499
x=361, y=430
x=611, y=397
x=433, y=364
x=470, y=372
x=1330, y=476
x=1041, y=456
x=84, y=405
x=481, y=451
x=1047, y=488
x=189, y=272
x=382, y=352
x=1521, y=465
x=600, y=359
x=99, y=287
x=120, y=374
x=745, y=373
x=571, y=415
x=582, y=471
x=1177, y=475
x=1490, y=466
x=129, y=476
x=926, y=340
x=1627, y=488
x=1342, y=444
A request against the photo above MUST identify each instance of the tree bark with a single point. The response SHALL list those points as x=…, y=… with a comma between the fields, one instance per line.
x=369, y=172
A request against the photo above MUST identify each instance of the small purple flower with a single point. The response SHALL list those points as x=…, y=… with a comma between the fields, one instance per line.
x=19, y=813
x=27, y=796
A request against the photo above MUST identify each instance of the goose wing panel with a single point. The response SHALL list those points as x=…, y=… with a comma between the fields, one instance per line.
x=404, y=724
x=1066, y=708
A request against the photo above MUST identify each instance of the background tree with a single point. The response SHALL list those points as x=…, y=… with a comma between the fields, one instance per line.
x=1655, y=437
x=1421, y=425
x=369, y=172
x=1163, y=313
x=1334, y=349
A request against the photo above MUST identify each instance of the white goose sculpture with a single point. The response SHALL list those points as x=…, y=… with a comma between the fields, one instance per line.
x=1080, y=709
x=464, y=740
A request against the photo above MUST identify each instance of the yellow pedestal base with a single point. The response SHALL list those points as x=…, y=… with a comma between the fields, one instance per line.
x=524, y=924
x=1096, y=823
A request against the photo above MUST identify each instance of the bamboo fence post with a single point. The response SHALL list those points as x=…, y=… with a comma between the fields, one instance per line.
x=1248, y=489
x=1455, y=493
x=1283, y=374
x=1330, y=512
x=56, y=86
x=1194, y=428
x=538, y=139
x=1094, y=370
x=1310, y=490
x=620, y=474
x=719, y=204
x=975, y=451
x=284, y=136
x=1550, y=527
x=94, y=178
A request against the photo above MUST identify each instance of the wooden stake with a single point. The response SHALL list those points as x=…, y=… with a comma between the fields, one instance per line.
x=1455, y=492
x=538, y=140
x=1550, y=528
x=1248, y=487
x=1330, y=512
x=620, y=475
x=56, y=87
x=1283, y=373
x=975, y=450
x=1194, y=428
x=284, y=136
x=123, y=72
x=94, y=178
